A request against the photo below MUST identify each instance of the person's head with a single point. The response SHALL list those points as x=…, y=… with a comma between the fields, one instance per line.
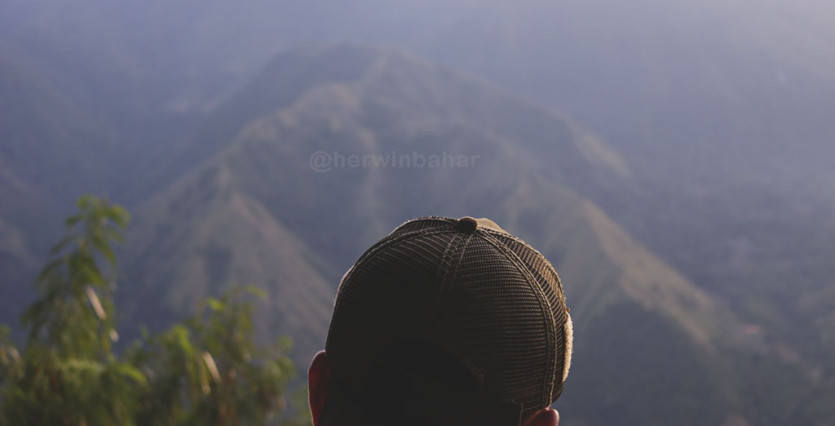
x=445, y=322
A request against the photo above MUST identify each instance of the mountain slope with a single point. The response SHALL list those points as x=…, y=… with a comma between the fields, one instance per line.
x=51, y=152
x=722, y=109
x=652, y=348
x=25, y=223
x=47, y=140
x=17, y=266
x=649, y=74
x=399, y=80
x=204, y=235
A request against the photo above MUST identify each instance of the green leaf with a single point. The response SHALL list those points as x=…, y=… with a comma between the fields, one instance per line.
x=63, y=243
x=119, y=215
x=72, y=220
x=256, y=291
x=215, y=305
x=130, y=372
x=101, y=245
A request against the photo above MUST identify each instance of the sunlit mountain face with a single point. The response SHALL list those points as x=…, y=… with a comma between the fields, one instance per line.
x=282, y=204
x=671, y=159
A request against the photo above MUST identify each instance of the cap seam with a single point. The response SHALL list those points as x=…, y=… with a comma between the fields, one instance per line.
x=369, y=254
x=446, y=273
x=561, y=293
x=548, y=315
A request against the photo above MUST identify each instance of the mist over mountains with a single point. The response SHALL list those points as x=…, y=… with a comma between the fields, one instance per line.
x=671, y=160
x=648, y=74
x=258, y=211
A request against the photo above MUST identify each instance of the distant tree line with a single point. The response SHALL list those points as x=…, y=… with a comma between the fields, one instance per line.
x=206, y=370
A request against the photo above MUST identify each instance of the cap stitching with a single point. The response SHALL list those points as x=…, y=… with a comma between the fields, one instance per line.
x=446, y=271
x=458, y=246
x=373, y=251
x=552, y=270
x=548, y=315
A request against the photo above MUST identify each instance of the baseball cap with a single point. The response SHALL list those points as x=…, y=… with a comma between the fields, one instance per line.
x=463, y=291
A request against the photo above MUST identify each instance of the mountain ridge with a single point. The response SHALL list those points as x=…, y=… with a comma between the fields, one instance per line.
x=610, y=279
x=241, y=201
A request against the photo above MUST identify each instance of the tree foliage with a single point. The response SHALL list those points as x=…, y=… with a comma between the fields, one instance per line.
x=206, y=370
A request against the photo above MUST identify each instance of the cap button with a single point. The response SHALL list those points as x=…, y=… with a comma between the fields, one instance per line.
x=466, y=225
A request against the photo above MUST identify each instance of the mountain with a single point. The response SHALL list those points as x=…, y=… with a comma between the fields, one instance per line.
x=50, y=152
x=734, y=83
x=716, y=117
x=204, y=234
x=47, y=135
x=720, y=108
x=708, y=101
x=16, y=264
x=398, y=85
x=55, y=145
x=352, y=142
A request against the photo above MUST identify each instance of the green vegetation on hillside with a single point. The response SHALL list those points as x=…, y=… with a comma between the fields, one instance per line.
x=206, y=370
